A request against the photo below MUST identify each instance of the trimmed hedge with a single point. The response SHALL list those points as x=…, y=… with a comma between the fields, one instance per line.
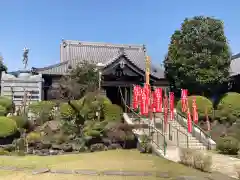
x=228, y=145
x=113, y=112
x=7, y=126
x=228, y=108
x=3, y=111
x=20, y=121
x=66, y=112
x=6, y=102
x=202, y=103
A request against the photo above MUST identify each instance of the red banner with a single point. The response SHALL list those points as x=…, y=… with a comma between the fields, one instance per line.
x=147, y=90
x=184, y=94
x=153, y=102
x=189, y=121
x=165, y=102
x=144, y=103
x=194, y=109
x=135, y=97
x=158, y=99
x=171, y=96
x=139, y=89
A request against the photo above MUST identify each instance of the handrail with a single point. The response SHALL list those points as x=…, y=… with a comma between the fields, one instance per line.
x=151, y=127
x=203, y=136
x=179, y=113
x=178, y=132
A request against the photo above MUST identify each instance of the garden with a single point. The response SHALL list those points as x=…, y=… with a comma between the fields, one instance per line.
x=224, y=117
x=91, y=123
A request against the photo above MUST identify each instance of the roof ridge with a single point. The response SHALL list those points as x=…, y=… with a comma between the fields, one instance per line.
x=236, y=56
x=87, y=43
x=51, y=66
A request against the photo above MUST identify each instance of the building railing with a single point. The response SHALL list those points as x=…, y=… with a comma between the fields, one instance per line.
x=197, y=131
x=157, y=137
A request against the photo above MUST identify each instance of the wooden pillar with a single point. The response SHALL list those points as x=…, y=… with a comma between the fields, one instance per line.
x=126, y=98
x=130, y=95
x=147, y=71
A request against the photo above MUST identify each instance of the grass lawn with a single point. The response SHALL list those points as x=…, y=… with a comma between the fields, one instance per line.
x=128, y=160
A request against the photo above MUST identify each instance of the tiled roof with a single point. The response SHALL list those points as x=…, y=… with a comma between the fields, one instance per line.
x=235, y=65
x=71, y=52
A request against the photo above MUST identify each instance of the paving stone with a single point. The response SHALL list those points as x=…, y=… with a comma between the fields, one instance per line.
x=87, y=172
x=8, y=168
x=40, y=171
x=127, y=173
x=163, y=175
x=62, y=171
x=21, y=169
x=189, y=178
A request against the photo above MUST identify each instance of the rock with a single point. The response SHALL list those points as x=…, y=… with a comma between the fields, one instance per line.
x=62, y=171
x=79, y=148
x=86, y=172
x=40, y=171
x=114, y=146
x=56, y=147
x=30, y=150
x=53, y=152
x=38, y=146
x=43, y=152
x=67, y=148
x=106, y=141
x=98, y=147
x=46, y=145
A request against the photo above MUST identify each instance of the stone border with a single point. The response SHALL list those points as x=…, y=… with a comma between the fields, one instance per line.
x=85, y=172
x=163, y=175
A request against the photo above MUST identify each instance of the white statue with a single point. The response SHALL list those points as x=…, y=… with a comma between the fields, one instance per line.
x=25, y=57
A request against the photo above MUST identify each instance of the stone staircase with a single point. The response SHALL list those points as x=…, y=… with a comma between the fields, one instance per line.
x=179, y=136
x=176, y=134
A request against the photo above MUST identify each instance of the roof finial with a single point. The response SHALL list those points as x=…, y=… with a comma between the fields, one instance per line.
x=144, y=48
x=121, y=50
x=64, y=43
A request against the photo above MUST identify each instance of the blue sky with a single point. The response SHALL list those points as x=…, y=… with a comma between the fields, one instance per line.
x=40, y=25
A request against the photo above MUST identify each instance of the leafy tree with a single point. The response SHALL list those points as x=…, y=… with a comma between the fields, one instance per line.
x=84, y=78
x=198, y=56
x=2, y=66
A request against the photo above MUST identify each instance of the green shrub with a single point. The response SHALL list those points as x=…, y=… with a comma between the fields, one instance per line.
x=145, y=144
x=9, y=147
x=17, y=153
x=34, y=137
x=60, y=138
x=6, y=102
x=3, y=152
x=113, y=112
x=228, y=145
x=202, y=161
x=186, y=156
x=196, y=159
x=66, y=112
x=202, y=104
x=228, y=108
x=7, y=126
x=103, y=100
x=43, y=109
x=93, y=101
x=3, y=111
x=21, y=121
